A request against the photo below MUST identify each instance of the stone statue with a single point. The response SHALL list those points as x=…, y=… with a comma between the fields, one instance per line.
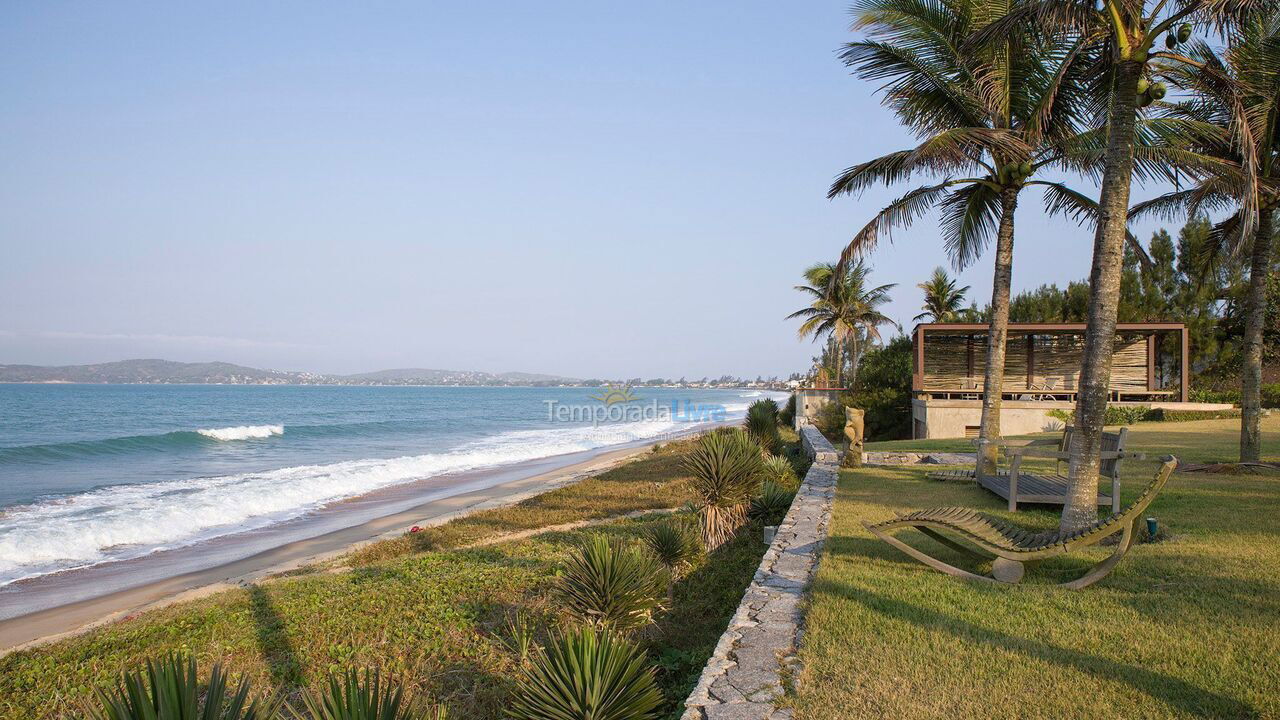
x=853, y=432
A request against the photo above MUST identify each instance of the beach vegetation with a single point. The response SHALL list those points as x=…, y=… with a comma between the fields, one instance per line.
x=725, y=470
x=843, y=309
x=353, y=695
x=172, y=688
x=586, y=673
x=781, y=472
x=772, y=504
x=762, y=425
x=675, y=546
x=610, y=587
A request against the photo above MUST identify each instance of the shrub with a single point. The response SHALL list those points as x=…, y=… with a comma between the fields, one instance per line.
x=830, y=421
x=787, y=415
x=171, y=688
x=762, y=425
x=1185, y=415
x=1270, y=396
x=352, y=697
x=772, y=504
x=781, y=472
x=587, y=674
x=1115, y=415
x=883, y=391
x=608, y=586
x=725, y=467
x=674, y=546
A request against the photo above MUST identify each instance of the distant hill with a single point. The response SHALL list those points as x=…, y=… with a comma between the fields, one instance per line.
x=168, y=371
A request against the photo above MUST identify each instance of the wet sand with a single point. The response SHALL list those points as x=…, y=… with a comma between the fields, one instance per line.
x=65, y=610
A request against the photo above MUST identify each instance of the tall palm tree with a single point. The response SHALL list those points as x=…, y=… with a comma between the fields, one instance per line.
x=1233, y=118
x=990, y=117
x=942, y=299
x=843, y=306
x=1126, y=31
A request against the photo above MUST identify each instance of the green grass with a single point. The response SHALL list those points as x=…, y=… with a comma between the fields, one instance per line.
x=1183, y=628
x=422, y=607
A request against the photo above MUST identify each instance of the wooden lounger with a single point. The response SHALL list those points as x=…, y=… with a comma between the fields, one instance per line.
x=1011, y=545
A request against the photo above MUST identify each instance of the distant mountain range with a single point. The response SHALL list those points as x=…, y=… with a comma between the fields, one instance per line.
x=170, y=372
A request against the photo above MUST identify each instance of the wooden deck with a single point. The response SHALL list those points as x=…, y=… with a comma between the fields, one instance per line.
x=1045, y=489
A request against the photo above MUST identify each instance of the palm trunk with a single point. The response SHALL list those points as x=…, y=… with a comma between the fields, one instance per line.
x=1251, y=381
x=1081, y=508
x=997, y=333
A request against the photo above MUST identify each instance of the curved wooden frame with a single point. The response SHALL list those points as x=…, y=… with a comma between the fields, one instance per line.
x=1011, y=547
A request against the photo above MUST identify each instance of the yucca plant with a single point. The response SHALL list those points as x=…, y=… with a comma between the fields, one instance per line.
x=170, y=688
x=725, y=467
x=587, y=675
x=772, y=504
x=762, y=425
x=673, y=546
x=363, y=696
x=609, y=586
x=781, y=472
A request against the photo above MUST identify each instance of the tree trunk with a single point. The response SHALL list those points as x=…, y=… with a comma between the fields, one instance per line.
x=1251, y=380
x=997, y=333
x=1081, y=508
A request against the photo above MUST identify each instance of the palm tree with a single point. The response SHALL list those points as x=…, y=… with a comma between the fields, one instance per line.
x=942, y=299
x=1126, y=31
x=1233, y=118
x=990, y=117
x=845, y=307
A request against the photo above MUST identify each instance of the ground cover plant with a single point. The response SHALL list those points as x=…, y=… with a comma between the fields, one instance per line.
x=1183, y=628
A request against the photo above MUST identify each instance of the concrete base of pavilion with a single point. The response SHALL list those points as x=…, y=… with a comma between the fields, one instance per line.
x=954, y=418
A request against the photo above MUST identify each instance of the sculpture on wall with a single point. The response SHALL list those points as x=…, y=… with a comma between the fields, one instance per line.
x=853, y=432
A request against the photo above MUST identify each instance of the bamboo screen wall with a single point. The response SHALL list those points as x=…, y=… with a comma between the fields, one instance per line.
x=952, y=361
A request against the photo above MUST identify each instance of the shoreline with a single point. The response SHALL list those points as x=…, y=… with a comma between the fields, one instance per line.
x=73, y=618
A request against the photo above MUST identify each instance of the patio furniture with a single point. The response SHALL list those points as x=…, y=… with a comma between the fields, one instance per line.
x=1016, y=486
x=984, y=536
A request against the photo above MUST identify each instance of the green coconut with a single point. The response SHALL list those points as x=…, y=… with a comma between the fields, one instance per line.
x=1184, y=32
x=1157, y=91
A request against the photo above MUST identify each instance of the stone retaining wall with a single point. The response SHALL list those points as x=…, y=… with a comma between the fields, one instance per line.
x=745, y=674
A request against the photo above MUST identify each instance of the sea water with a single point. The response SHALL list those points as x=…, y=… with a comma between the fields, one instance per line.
x=93, y=474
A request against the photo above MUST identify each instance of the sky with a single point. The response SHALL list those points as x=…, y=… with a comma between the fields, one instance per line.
x=588, y=189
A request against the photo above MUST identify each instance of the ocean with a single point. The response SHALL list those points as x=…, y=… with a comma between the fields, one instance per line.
x=100, y=474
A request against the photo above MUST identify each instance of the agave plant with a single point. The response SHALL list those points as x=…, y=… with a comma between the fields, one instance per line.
x=171, y=688
x=762, y=425
x=781, y=472
x=609, y=586
x=725, y=467
x=357, y=696
x=673, y=546
x=587, y=674
x=772, y=504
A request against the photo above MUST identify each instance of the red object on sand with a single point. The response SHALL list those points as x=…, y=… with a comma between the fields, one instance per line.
x=414, y=529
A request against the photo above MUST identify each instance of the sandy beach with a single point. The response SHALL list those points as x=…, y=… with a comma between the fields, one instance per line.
x=57, y=619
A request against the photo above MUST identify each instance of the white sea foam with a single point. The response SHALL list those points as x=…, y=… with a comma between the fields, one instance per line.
x=127, y=521
x=242, y=432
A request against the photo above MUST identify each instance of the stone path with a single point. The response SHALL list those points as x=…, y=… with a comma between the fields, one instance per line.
x=745, y=674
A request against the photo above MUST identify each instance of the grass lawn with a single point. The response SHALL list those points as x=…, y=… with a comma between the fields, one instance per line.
x=423, y=607
x=1186, y=627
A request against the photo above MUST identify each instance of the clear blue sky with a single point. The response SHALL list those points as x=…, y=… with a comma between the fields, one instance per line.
x=589, y=188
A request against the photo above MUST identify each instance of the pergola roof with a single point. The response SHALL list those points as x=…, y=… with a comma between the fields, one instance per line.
x=1050, y=327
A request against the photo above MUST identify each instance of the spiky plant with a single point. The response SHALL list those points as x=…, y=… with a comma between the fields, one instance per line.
x=171, y=688
x=781, y=472
x=725, y=467
x=772, y=504
x=762, y=425
x=586, y=674
x=363, y=696
x=673, y=546
x=609, y=586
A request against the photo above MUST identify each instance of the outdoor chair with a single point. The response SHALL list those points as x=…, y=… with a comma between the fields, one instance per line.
x=984, y=536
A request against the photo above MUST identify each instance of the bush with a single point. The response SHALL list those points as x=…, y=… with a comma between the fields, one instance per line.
x=1270, y=396
x=830, y=421
x=883, y=391
x=781, y=472
x=610, y=587
x=171, y=688
x=725, y=467
x=762, y=425
x=1115, y=415
x=1185, y=415
x=772, y=504
x=674, y=547
x=787, y=415
x=350, y=697
x=586, y=674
